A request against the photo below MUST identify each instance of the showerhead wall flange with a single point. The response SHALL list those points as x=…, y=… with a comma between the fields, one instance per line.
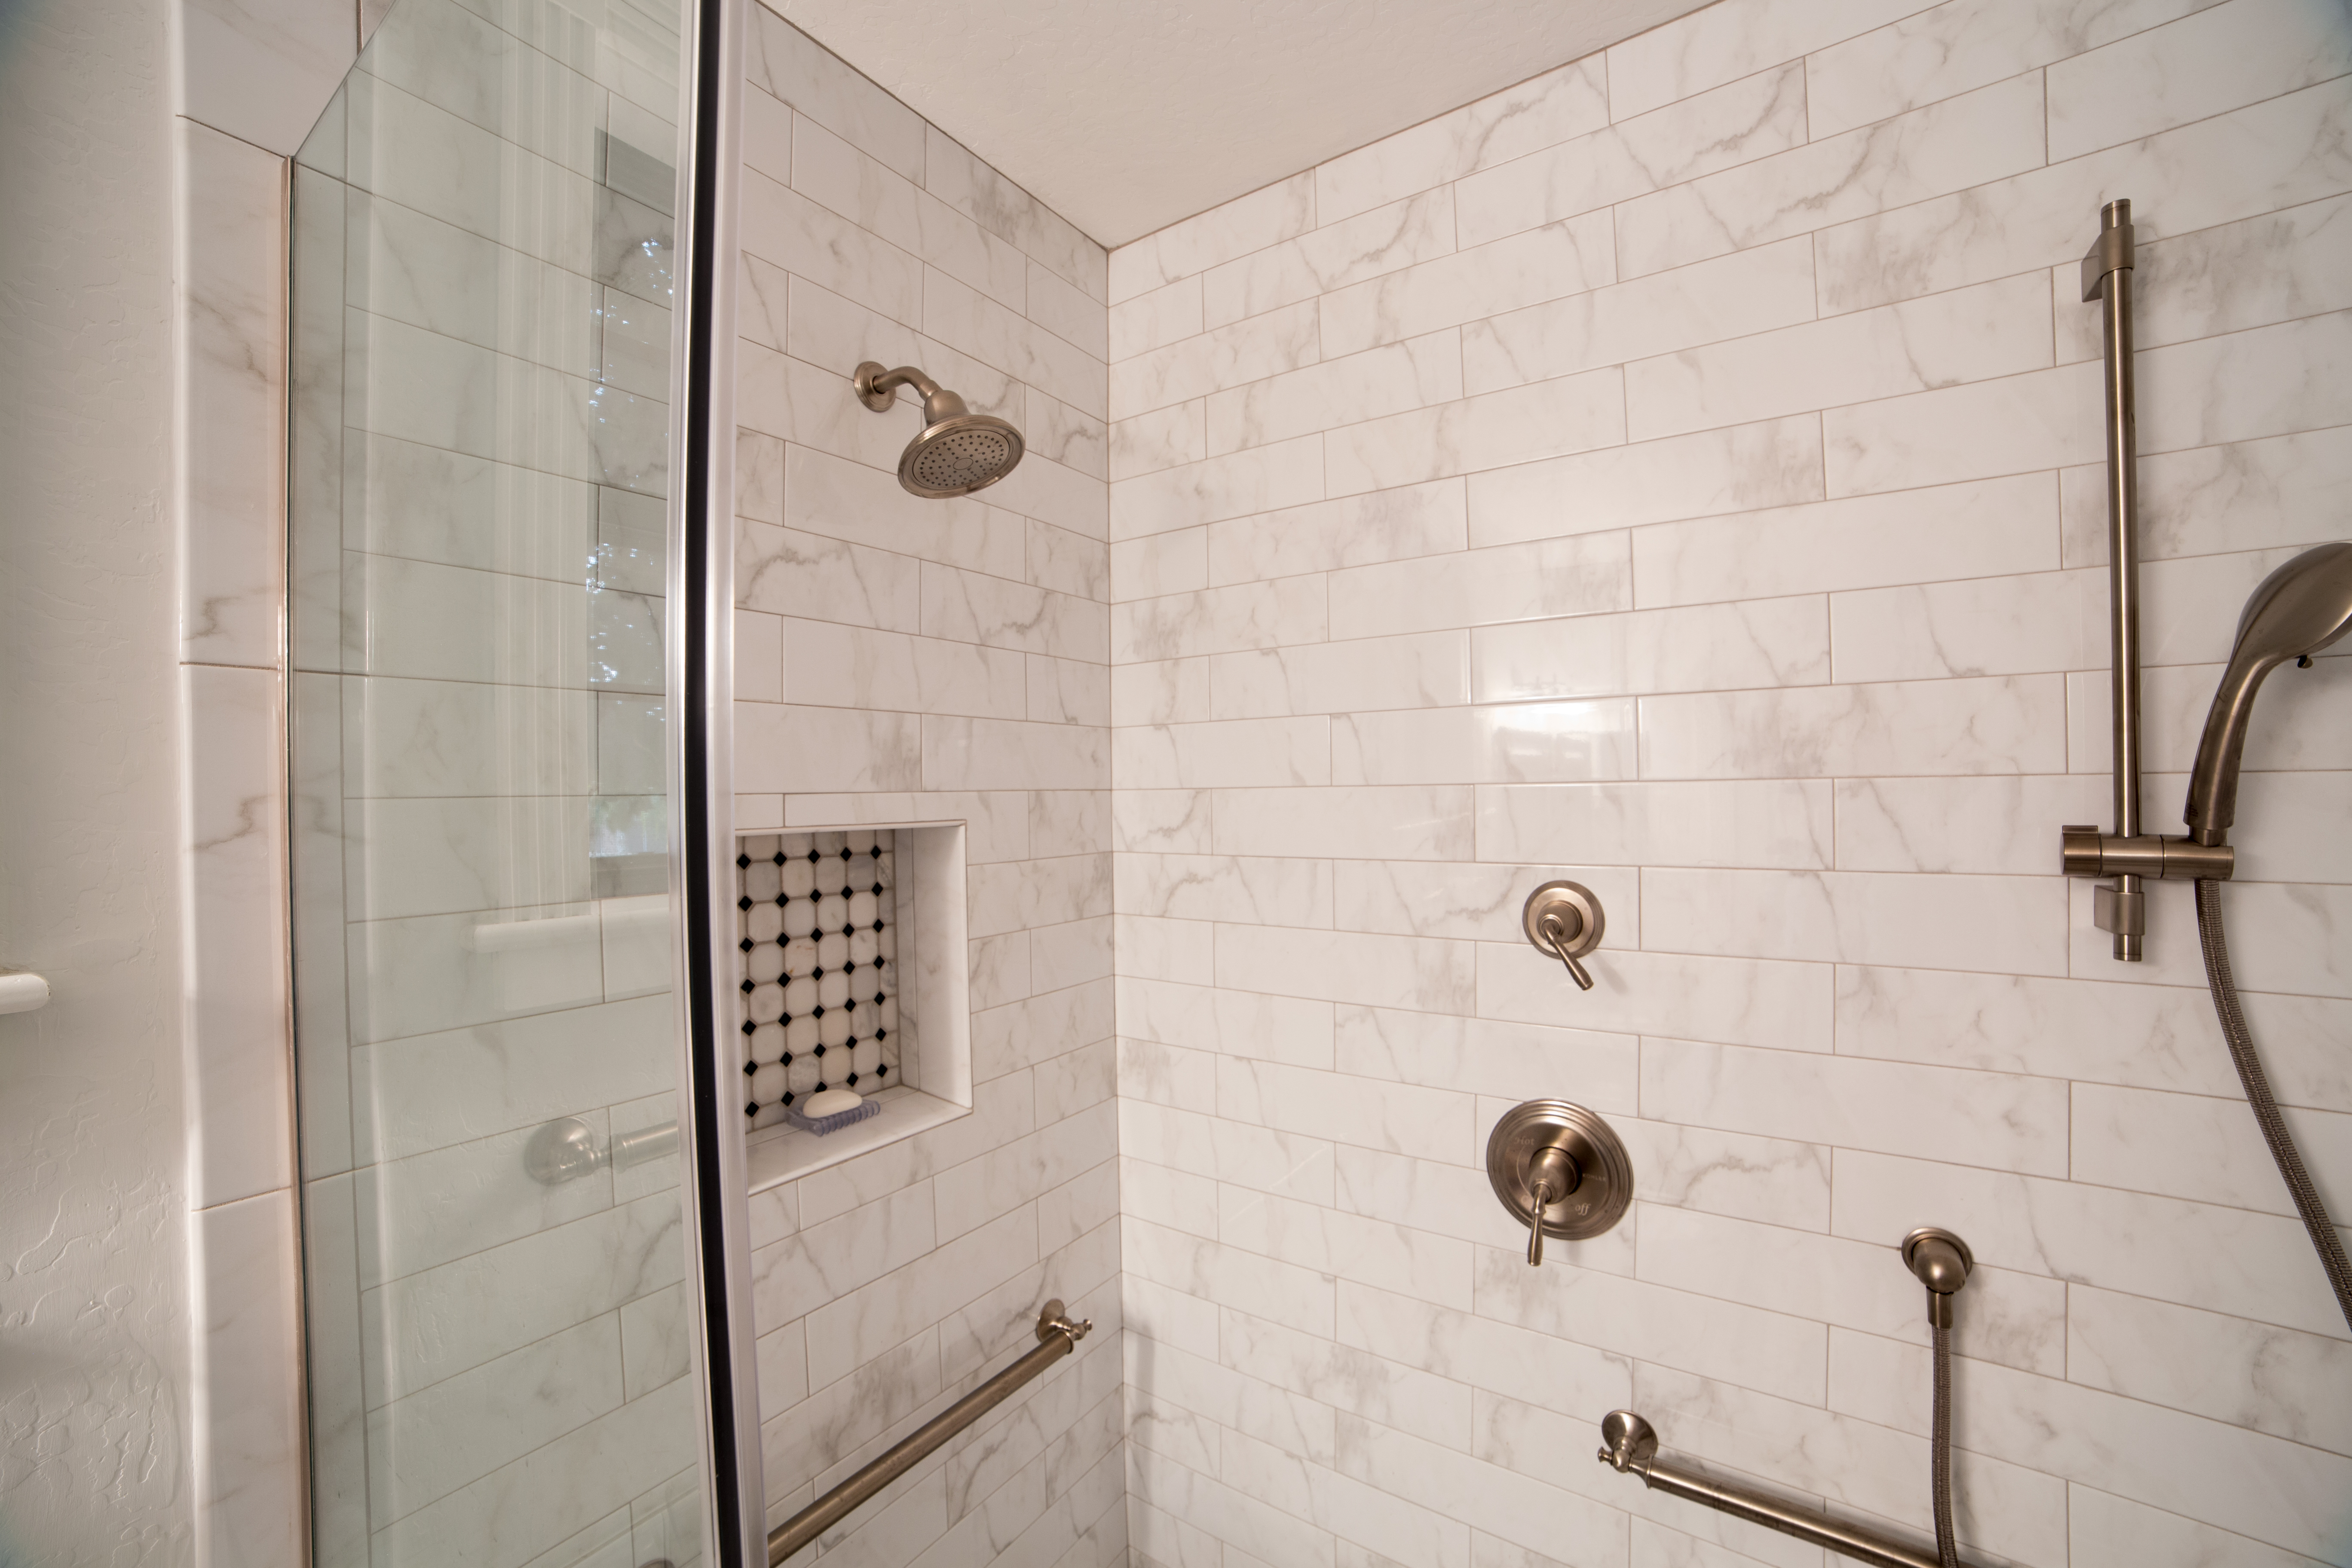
x=957, y=452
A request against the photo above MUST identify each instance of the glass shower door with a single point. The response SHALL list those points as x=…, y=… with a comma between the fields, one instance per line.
x=501, y=1299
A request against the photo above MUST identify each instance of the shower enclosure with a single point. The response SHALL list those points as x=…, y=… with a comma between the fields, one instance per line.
x=495, y=835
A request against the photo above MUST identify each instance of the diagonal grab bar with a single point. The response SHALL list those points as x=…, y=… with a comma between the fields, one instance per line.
x=1057, y=1335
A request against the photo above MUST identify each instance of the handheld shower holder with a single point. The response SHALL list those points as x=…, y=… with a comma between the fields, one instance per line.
x=2122, y=909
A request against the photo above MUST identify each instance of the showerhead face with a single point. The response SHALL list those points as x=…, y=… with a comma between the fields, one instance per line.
x=2294, y=612
x=960, y=454
x=958, y=451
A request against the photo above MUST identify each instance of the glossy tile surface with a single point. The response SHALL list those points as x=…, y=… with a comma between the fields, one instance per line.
x=930, y=661
x=1703, y=500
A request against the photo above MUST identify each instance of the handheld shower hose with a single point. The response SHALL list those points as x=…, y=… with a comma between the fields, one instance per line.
x=1943, y=1262
x=2299, y=1186
x=2298, y=610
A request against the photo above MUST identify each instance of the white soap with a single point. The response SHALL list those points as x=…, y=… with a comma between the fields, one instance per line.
x=832, y=1102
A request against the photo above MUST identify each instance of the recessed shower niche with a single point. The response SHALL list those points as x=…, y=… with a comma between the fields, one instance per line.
x=850, y=973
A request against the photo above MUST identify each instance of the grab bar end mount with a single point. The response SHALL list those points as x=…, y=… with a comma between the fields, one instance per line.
x=1628, y=1442
x=1054, y=1319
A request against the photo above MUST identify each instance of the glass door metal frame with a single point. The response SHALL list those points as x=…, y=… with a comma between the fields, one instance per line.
x=699, y=657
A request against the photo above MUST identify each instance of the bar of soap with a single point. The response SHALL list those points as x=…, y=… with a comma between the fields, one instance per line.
x=832, y=1102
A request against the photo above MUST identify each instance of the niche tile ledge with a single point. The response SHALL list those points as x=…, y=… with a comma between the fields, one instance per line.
x=783, y=1153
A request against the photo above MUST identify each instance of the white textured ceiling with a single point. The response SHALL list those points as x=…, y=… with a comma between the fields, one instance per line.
x=1126, y=115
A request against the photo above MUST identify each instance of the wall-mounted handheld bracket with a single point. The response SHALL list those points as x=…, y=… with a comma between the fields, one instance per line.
x=1943, y=1263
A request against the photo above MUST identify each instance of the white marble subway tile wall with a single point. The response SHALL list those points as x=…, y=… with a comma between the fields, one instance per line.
x=1683, y=472
x=905, y=660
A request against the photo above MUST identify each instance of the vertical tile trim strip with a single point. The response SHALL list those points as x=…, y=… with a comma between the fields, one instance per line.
x=248, y=1449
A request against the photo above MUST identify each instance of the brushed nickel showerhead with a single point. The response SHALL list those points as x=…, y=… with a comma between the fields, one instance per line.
x=957, y=452
x=2292, y=613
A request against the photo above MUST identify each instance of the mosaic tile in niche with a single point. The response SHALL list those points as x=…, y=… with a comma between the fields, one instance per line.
x=816, y=965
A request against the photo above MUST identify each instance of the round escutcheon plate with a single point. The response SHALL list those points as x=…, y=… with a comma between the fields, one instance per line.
x=1604, y=1172
x=1579, y=917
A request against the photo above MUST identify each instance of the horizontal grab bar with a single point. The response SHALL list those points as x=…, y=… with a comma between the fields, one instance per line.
x=645, y=1143
x=1630, y=1444
x=567, y=1150
x=1057, y=1336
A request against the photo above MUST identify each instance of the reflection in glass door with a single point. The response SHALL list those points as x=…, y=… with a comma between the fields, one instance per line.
x=502, y=1296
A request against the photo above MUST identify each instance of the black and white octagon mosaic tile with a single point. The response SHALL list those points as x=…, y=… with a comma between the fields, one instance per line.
x=816, y=940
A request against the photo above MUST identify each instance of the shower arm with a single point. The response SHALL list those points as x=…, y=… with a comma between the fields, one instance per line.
x=2128, y=854
x=878, y=389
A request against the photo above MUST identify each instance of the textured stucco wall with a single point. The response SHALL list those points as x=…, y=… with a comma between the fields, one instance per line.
x=93, y=1330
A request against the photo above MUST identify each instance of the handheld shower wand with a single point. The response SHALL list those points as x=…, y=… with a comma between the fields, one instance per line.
x=2294, y=612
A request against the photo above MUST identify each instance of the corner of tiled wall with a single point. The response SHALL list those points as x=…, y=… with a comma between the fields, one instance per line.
x=251, y=81
x=1682, y=472
x=906, y=660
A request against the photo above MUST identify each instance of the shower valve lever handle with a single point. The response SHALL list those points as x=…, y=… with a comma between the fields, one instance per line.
x=1563, y=920
x=1552, y=1175
x=1558, y=936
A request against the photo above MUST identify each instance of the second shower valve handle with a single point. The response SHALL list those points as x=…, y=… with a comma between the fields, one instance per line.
x=1563, y=920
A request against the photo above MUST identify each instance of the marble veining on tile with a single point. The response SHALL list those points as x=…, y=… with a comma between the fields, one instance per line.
x=1679, y=471
x=917, y=660
x=1710, y=509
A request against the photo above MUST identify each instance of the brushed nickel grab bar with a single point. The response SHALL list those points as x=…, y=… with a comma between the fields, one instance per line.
x=1942, y=1262
x=1630, y=1444
x=568, y=1149
x=1057, y=1335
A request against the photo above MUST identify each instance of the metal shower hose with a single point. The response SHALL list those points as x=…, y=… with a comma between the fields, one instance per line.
x=2308, y=1204
x=1940, y=1444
